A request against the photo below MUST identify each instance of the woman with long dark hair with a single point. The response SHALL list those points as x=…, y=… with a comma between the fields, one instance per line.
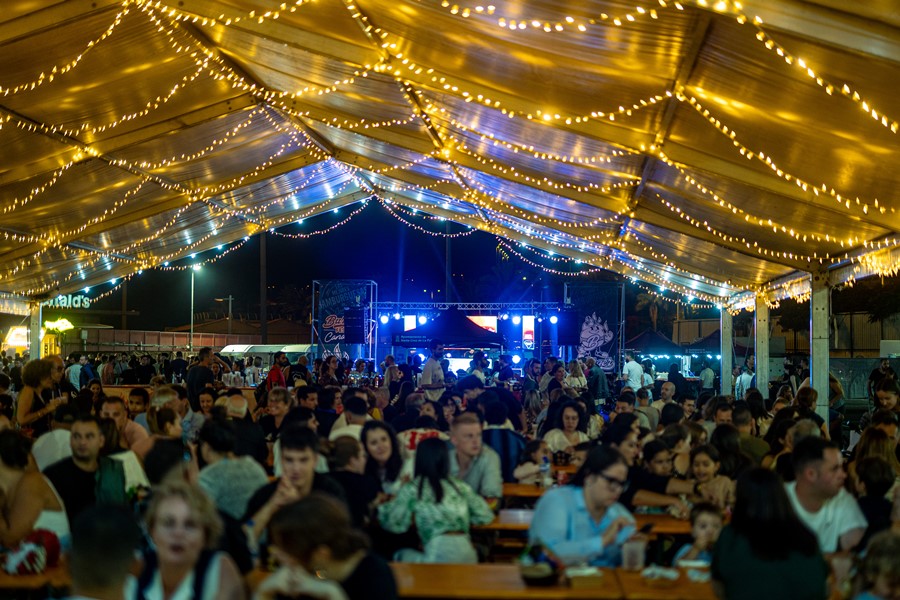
x=766, y=551
x=383, y=459
x=570, y=429
x=441, y=506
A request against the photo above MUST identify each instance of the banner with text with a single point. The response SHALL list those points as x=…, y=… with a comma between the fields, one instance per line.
x=333, y=297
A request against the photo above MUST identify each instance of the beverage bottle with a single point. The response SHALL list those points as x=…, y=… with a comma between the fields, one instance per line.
x=546, y=475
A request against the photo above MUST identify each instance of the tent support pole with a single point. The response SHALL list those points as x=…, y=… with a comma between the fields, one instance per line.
x=819, y=310
x=726, y=350
x=762, y=344
x=34, y=332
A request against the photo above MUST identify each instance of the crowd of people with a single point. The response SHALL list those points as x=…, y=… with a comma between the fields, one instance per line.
x=328, y=476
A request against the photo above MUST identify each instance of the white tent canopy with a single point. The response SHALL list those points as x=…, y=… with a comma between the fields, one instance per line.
x=723, y=150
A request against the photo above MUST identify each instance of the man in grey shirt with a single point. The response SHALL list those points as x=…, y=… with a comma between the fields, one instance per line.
x=470, y=460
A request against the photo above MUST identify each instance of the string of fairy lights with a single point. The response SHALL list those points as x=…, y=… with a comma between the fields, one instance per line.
x=206, y=61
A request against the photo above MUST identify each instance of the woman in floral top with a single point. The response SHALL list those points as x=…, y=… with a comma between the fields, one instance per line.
x=441, y=506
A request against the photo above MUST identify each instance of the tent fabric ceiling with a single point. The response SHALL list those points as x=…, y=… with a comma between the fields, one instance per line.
x=716, y=148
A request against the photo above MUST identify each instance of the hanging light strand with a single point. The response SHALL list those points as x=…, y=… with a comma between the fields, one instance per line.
x=51, y=74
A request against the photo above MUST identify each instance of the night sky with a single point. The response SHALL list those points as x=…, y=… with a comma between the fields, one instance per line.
x=407, y=265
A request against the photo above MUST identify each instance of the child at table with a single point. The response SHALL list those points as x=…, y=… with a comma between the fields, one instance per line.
x=706, y=523
x=535, y=453
x=878, y=574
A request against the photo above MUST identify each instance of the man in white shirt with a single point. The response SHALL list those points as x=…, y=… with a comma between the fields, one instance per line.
x=744, y=382
x=56, y=444
x=632, y=372
x=351, y=420
x=432, y=379
x=819, y=497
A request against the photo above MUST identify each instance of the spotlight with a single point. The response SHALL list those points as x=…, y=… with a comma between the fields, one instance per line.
x=516, y=359
x=540, y=319
x=504, y=316
x=422, y=319
x=517, y=320
x=384, y=319
x=554, y=319
x=396, y=316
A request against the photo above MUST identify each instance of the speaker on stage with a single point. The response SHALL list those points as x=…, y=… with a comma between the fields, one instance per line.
x=354, y=325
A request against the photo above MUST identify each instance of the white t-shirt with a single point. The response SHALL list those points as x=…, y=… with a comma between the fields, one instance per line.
x=432, y=373
x=836, y=517
x=634, y=374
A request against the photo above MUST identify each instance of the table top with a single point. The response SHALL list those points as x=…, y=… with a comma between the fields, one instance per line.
x=523, y=490
x=519, y=519
x=488, y=582
x=635, y=587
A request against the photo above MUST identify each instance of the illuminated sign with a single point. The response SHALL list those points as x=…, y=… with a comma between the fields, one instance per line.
x=484, y=321
x=68, y=301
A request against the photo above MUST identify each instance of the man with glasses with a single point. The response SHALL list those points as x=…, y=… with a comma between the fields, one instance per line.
x=60, y=388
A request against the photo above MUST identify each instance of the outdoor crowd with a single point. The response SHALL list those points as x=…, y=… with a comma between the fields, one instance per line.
x=326, y=477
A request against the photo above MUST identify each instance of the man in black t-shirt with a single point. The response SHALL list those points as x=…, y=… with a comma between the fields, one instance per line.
x=299, y=453
x=200, y=376
x=76, y=478
x=178, y=367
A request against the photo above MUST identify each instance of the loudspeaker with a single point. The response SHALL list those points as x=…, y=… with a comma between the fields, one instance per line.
x=568, y=332
x=354, y=325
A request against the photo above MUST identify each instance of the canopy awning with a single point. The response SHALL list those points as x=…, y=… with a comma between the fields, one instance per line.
x=714, y=148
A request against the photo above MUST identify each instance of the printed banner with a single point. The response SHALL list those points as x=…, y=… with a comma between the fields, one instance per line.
x=597, y=308
x=334, y=296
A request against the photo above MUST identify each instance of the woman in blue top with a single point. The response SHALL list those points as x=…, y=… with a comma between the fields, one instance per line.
x=582, y=523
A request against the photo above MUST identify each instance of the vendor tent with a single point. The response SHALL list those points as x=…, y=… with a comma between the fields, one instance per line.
x=716, y=148
x=451, y=327
x=653, y=342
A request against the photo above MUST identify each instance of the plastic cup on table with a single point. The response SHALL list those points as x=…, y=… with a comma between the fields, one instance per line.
x=634, y=551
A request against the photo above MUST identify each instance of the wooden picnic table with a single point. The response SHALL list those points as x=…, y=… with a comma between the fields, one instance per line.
x=635, y=587
x=416, y=581
x=488, y=582
x=519, y=519
x=523, y=490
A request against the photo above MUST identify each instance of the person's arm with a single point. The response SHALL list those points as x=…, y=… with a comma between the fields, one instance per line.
x=526, y=470
x=25, y=400
x=851, y=539
x=231, y=584
x=648, y=498
x=284, y=494
x=396, y=515
x=480, y=512
x=24, y=510
x=492, y=479
x=295, y=582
